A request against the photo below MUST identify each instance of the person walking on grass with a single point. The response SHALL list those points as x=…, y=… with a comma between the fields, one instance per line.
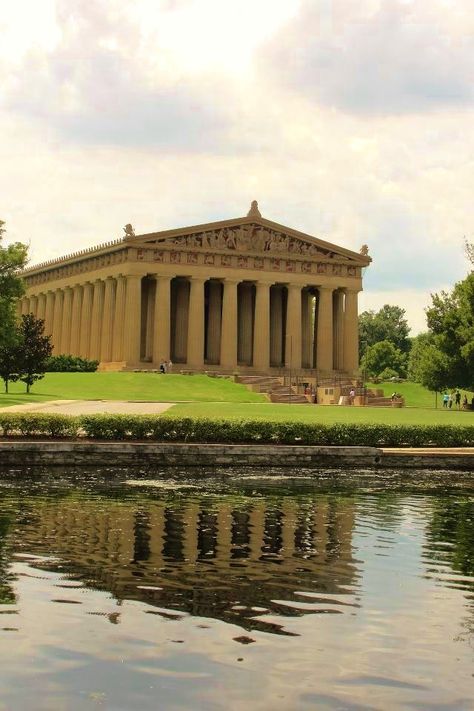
x=445, y=400
x=457, y=399
x=450, y=401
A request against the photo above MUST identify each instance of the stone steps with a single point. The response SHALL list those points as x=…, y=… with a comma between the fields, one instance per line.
x=273, y=387
x=383, y=402
x=291, y=398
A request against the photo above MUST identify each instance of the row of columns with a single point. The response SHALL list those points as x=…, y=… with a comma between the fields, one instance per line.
x=128, y=318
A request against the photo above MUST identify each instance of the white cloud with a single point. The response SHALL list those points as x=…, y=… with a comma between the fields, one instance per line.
x=378, y=57
x=108, y=120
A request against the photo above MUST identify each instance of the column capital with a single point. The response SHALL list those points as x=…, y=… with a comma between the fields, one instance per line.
x=326, y=287
x=350, y=289
x=198, y=279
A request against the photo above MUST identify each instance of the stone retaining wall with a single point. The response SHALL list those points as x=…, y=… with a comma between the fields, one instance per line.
x=30, y=453
x=120, y=454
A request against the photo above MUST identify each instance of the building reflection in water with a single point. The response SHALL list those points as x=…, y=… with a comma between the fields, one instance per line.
x=232, y=558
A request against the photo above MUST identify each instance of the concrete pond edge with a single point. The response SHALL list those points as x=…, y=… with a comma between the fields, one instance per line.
x=30, y=453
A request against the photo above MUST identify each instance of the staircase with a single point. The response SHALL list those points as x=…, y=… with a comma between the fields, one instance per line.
x=377, y=401
x=273, y=388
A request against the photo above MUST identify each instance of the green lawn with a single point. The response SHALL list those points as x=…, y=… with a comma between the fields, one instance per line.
x=415, y=394
x=130, y=386
x=201, y=396
x=323, y=413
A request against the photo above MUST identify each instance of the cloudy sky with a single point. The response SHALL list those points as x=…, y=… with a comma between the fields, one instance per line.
x=348, y=120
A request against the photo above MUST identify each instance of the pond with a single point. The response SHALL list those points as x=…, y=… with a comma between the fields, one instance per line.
x=344, y=592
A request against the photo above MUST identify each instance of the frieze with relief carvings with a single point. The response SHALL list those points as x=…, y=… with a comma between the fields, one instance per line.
x=250, y=238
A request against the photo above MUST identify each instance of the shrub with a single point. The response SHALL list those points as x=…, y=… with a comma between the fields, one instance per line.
x=70, y=364
x=38, y=424
x=170, y=429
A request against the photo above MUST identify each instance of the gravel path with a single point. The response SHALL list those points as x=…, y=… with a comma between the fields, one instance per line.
x=90, y=407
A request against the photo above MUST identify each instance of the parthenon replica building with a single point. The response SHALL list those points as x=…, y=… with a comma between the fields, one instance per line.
x=241, y=295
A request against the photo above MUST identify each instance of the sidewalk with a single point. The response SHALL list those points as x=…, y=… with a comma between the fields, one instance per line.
x=92, y=407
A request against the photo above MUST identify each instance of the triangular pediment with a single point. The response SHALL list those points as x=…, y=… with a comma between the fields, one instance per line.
x=249, y=235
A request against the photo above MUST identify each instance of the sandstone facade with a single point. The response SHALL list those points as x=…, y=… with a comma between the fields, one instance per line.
x=245, y=294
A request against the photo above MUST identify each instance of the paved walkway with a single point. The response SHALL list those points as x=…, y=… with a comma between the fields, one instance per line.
x=429, y=451
x=92, y=407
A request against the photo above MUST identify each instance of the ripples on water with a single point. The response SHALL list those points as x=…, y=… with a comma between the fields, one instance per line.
x=347, y=593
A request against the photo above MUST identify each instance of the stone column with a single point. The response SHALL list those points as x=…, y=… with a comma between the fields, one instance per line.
x=49, y=314
x=293, y=327
x=149, y=318
x=66, y=322
x=57, y=320
x=261, y=341
x=338, y=325
x=324, y=348
x=76, y=320
x=96, y=319
x=132, y=320
x=229, y=325
x=41, y=311
x=307, y=329
x=161, y=331
x=25, y=306
x=33, y=305
x=213, y=345
x=179, y=326
x=244, y=325
x=351, y=331
x=119, y=316
x=276, y=325
x=86, y=320
x=107, y=321
x=195, y=357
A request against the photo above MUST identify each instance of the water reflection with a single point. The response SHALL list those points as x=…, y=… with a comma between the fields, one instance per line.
x=282, y=599
x=224, y=557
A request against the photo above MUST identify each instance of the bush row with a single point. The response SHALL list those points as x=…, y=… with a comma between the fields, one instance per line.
x=70, y=364
x=168, y=429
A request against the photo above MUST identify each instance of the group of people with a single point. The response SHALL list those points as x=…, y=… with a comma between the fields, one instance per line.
x=166, y=366
x=455, y=397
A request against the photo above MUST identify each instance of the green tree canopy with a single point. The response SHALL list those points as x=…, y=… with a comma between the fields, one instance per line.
x=12, y=259
x=34, y=350
x=383, y=356
x=448, y=361
x=387, y=324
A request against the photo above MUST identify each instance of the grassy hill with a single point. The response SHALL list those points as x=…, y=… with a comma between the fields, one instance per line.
x=150, y=387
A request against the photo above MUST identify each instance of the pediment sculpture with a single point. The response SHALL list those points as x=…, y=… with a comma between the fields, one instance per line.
x=249, y=238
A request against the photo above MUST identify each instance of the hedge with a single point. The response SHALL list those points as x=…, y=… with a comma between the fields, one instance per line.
x=70, y=364
x=169, y=429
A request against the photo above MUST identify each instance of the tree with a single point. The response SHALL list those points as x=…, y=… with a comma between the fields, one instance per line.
x=419, y=344
x=469, y=250
x=387, y=324
x=382, y=356
x=12, y=260
x=449, y=361
x=34, y=350
x=9, y=359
